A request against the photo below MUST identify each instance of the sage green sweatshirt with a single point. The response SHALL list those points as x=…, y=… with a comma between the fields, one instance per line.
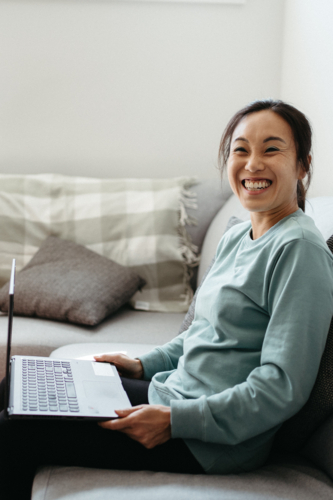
x=250, y=358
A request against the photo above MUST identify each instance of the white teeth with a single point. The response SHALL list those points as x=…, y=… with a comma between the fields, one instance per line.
x=257, y=184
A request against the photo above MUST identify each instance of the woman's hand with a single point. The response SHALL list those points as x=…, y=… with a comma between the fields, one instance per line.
x=150, y=425
x=126, y=366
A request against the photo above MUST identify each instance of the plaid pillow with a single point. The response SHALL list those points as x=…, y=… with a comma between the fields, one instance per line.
x=139, y=223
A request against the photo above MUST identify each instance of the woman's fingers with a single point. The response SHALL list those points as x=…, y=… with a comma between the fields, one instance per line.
x=126, y=366
x=123, y=422
x=120, y=423
x=147, y=424
x=110, y=358
x=128, y=411
x=112, y=425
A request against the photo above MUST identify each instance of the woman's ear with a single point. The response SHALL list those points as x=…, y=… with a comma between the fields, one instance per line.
x=302, y=172
x=309, y=159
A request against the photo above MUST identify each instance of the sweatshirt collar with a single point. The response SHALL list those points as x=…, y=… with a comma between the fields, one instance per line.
x=271, y=230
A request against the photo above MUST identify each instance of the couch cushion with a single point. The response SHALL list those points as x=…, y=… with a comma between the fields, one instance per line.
x=69, y=282
x=290, y=478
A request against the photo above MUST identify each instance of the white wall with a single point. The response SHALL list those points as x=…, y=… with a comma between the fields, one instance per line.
x=307, y=79
x=106, y=88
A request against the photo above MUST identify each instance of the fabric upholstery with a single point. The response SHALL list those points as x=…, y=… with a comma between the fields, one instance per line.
x=68, y=282
x=288, y=478
x=139, y=223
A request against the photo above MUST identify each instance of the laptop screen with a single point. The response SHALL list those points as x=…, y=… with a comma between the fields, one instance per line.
x=10, y=325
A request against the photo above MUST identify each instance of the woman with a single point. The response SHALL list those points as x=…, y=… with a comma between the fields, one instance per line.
x=212, y=399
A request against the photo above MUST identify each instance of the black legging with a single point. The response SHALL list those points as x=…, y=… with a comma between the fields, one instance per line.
x=27, y=444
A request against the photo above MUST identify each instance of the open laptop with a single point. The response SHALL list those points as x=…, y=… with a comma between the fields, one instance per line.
x=45, y=388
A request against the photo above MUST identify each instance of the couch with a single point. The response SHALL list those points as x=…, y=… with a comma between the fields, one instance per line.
x=305, y=475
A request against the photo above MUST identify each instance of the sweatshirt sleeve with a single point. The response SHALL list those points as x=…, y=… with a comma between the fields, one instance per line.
x=300, y=302
x=164, y=358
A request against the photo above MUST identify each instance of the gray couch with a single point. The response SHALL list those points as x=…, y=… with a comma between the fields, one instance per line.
x=300, y=476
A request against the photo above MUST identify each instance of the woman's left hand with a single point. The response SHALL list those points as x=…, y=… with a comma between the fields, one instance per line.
x=148, y=424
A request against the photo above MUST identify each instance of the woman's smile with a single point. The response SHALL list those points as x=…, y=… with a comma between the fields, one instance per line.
x=254, y=186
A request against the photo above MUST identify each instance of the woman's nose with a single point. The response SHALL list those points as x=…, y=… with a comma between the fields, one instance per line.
x=254, y=164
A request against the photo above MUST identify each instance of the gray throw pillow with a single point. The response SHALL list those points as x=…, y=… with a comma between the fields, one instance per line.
x=190, y=313
x=294, y=433
x=67, y=282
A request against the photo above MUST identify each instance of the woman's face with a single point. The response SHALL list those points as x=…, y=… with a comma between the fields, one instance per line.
x=262, y=167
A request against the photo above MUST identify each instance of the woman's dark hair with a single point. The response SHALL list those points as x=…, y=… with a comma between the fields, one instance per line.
x=299, y=125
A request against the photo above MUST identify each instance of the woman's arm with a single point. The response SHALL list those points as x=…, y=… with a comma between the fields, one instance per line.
x=160, y=359
x=301, y=306
x=164, y=358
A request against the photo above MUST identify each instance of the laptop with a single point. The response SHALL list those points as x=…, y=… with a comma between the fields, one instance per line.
x=48, y=388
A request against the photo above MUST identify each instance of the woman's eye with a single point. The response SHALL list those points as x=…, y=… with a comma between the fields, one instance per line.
x=272, y=149
x=243, y=150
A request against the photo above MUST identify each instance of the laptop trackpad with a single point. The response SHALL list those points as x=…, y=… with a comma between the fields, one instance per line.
x=100, y=390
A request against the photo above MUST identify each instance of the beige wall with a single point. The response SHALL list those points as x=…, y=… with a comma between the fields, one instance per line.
x=307, y=78
x=116, y=89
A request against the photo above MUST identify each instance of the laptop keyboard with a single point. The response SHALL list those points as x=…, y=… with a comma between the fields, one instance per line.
x=48, y=386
